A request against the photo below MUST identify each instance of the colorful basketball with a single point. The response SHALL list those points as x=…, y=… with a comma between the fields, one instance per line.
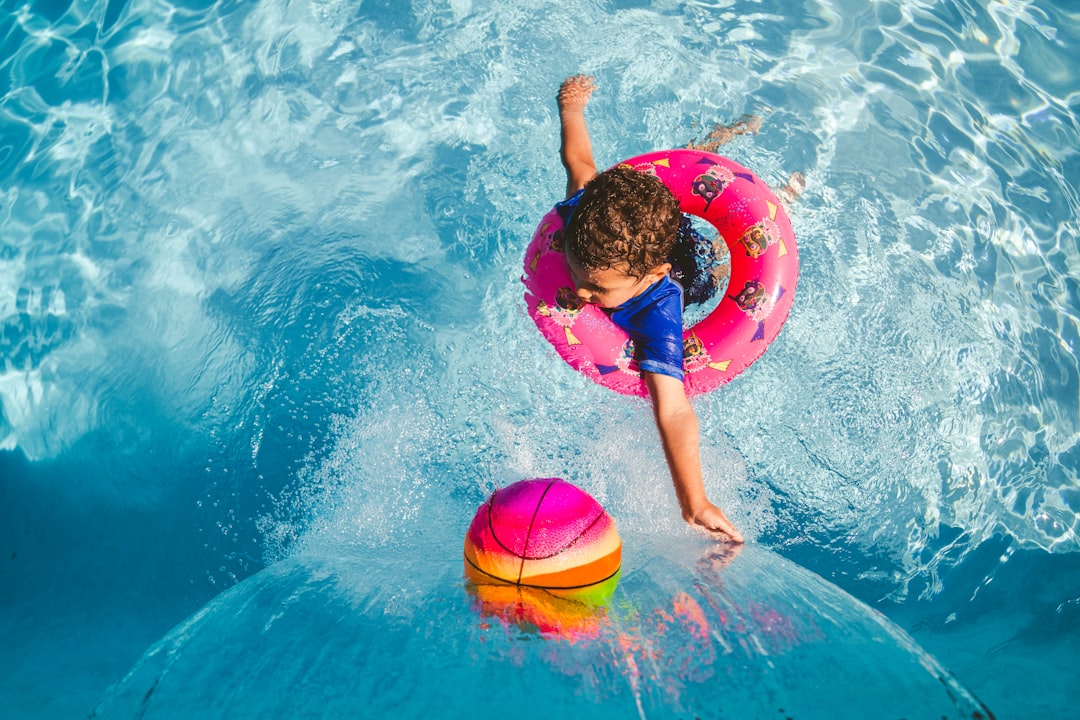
x=543, y=533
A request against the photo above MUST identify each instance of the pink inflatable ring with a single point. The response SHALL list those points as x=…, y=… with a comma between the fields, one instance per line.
x=764, y=271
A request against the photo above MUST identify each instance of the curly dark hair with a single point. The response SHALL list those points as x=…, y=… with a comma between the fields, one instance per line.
x=624, y=218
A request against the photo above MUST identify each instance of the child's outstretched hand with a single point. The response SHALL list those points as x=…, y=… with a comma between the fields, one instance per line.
x=713, y=519
x=575, y=91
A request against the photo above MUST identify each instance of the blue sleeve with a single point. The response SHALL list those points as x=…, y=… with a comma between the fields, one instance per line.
x=566, y=207
x=653, y=321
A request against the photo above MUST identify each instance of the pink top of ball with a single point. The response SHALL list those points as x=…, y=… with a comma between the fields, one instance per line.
x=536, y=519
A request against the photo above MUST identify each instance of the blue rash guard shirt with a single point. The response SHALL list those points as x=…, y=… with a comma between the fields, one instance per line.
x=653, y=319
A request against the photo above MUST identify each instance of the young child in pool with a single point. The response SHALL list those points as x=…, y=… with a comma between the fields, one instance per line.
x=621, y=226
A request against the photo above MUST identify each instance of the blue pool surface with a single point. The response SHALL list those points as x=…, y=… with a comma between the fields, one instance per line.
x=261, y=318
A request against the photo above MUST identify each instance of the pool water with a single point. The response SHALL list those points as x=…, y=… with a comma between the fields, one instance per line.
x=260, y=301
x=693, y=629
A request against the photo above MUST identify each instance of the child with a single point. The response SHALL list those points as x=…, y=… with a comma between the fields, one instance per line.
x=621, y=227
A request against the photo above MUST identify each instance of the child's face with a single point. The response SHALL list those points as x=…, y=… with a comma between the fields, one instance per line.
x=611, y=287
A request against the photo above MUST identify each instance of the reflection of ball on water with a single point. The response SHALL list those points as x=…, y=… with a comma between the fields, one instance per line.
x=543, y=533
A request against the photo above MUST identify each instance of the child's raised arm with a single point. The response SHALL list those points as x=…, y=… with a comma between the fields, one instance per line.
x=576, y=149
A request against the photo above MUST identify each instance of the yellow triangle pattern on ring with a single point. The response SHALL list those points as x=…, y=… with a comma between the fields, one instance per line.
x=662, y=162
x=721, y=366
x=772, y=210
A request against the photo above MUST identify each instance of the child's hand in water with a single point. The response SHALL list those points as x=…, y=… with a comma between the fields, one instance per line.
x=575, y=92
x=713, y=519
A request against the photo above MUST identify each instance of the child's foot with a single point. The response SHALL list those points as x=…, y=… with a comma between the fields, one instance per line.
x=795, y=187
x=575, y=91
x=721, y=134
x=746, y=125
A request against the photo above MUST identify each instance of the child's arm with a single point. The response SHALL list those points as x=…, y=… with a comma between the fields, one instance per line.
x=678, y=426
x=576, y=149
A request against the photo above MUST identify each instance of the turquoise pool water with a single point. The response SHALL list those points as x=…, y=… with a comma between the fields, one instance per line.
x=259, y=300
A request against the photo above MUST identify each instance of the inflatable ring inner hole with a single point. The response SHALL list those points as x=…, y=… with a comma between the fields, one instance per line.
x=696, y=312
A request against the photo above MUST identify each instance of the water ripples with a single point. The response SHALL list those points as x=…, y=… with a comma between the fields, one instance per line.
x=160, y=163
x=984, y=213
